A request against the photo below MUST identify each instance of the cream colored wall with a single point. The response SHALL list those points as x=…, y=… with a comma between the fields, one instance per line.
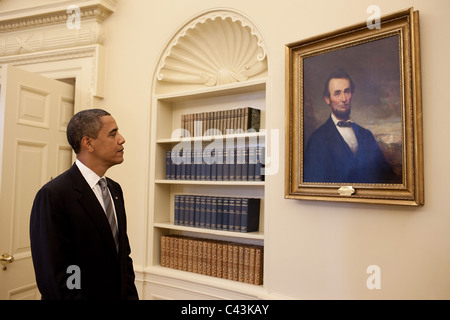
x=316, y=250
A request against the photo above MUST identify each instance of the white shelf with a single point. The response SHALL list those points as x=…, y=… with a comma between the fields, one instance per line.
x=228, y=234
x=224, y=90
x=240, y=288
x=211, y=138
x=212, y=183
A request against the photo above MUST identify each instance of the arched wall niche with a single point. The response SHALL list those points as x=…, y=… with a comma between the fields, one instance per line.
x=216, y=48
x=216, y=61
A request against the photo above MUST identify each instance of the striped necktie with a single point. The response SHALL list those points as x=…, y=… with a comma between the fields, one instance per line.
x=109, y=211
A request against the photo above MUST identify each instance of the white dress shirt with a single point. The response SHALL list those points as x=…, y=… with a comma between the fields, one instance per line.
x=348, y=134
x=92, y=179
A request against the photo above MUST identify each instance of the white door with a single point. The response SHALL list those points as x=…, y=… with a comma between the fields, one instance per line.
x=34, y=112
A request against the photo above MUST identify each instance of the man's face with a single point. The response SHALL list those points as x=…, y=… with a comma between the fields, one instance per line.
x=340, y=98
x=108, y=147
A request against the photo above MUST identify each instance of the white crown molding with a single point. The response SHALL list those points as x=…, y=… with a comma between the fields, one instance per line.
x=45, y=27
x=55, y=13
x=216, y=48
x=51, y=56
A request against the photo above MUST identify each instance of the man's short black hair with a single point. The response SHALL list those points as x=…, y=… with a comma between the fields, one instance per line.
x=86, y=123
x=338, y=74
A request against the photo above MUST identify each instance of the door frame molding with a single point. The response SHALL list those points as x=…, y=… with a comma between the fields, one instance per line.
x=60, y=40
x=84, y=64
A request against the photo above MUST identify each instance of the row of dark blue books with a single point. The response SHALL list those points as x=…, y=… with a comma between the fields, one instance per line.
x=230, y=164
x=220, y=213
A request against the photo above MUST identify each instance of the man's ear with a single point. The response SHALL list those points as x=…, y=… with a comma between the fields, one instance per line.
x=86, y=144
x=328, y=101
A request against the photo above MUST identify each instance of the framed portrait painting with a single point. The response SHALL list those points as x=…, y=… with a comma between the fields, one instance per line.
x=354, y=114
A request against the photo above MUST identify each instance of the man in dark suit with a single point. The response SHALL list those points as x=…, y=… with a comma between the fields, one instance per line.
x=79, y=242
x=341, y=151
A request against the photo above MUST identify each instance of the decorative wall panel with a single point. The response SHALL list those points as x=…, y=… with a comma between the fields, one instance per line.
x=34, y=107
x=30, y=169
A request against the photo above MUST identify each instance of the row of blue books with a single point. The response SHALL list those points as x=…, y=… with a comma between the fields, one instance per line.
x=220, y=213
x=230, y=164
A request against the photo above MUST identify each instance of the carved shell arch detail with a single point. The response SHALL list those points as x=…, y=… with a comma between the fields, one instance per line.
x=214, y=49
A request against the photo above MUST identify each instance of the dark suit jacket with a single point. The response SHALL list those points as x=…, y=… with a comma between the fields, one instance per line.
x=328, y=158
x=68, y=226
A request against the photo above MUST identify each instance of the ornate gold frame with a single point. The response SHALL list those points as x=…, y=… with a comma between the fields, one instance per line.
x=410, y=191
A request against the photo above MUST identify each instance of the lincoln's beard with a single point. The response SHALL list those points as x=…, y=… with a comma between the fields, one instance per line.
x=342, y=114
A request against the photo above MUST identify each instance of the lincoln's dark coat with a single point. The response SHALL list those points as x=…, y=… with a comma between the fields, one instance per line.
x=329, y=159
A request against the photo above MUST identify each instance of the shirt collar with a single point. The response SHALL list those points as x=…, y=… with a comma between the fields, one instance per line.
x=90, y=176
